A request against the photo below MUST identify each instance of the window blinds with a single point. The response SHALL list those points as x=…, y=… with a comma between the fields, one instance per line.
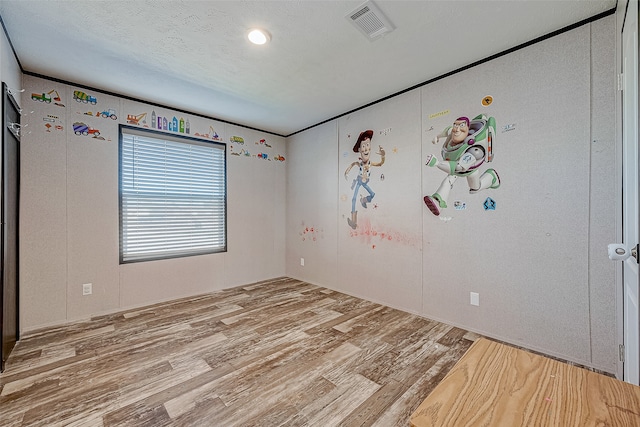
x=172, y=196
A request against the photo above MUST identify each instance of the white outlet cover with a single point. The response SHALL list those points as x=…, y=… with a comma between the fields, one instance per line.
x=87, y=289
x=474, y=298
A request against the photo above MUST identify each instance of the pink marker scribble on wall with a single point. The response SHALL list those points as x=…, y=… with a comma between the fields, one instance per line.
x=311, y=233
x=375, y=235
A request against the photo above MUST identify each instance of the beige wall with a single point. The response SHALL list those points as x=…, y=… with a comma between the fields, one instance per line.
x=9, y=68
x=312, y=205
x=539, y=260
x=9, y=71
x=69, y=213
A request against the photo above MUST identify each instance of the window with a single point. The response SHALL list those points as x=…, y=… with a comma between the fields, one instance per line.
x=172, y=196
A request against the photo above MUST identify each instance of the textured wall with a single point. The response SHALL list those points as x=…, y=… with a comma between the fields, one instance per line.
x=538, y=260
x=379, y=258
x=312, y=206
x=604, y=195
x=69, y=211
x=9, y=69
x=528, y=259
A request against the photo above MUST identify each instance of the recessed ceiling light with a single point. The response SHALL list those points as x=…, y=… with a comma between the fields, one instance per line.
x=257, y=36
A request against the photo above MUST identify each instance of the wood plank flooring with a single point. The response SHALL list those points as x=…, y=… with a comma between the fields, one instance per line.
x=275, y=353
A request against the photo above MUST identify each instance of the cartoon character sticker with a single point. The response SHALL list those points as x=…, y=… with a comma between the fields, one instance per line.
x=364, y=163
x=467, y=145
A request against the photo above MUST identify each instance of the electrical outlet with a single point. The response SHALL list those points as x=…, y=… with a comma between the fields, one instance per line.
x=87, y=289
x=302, y=262
x=474, y=298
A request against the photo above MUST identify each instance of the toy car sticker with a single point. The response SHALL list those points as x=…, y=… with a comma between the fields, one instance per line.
x=140, y=119
x=80, y=96
x=211, y=134
x=48, y=97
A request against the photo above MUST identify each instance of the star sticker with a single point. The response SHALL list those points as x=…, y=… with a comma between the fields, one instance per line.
x=489, y=204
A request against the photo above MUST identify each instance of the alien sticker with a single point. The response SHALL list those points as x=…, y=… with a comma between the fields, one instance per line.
x=467, y=145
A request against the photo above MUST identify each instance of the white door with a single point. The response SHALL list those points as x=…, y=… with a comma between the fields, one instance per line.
x=630, y=193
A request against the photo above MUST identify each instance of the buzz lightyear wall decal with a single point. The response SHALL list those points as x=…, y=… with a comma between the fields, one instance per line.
x=364, y=163
x=467, y=145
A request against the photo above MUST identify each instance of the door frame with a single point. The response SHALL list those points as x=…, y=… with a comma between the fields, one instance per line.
x=8, y=101
x=629, y=353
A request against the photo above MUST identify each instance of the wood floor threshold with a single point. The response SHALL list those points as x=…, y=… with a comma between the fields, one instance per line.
x=276, y=353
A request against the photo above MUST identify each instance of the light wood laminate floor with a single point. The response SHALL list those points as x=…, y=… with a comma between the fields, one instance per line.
x=497, y=385
x=276, y=353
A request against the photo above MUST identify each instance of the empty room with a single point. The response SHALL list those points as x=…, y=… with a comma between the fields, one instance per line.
x=320, y=213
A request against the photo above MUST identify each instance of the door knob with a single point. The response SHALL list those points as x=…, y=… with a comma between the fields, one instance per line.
x=620, y=252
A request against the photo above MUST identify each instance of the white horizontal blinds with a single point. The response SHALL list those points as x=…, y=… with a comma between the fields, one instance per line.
x=173, y=197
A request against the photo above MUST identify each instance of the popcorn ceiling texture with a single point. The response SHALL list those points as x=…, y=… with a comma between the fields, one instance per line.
x=193, y=55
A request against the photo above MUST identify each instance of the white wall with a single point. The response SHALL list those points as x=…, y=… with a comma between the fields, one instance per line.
x=312, y=205
x=69, y=212
x=539, y=259
x=9, y=69
x=379, y=259
x=605, y=196
x=9, y=72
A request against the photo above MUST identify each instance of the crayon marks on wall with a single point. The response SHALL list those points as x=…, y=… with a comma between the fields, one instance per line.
x=310, y=233
x=375, y=235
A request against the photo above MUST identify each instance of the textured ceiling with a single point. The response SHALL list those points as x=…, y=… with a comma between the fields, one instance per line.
x=193, y=55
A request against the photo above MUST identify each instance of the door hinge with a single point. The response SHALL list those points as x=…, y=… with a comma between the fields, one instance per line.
x=620, y=81
x=621, y=352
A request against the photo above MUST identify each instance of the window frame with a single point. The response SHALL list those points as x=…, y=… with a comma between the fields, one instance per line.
x=123, y=129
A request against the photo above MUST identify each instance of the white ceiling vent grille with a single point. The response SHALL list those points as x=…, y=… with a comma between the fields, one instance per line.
x=370, y=21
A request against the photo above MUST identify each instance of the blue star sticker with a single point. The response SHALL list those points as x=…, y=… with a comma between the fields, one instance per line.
x=489, y=204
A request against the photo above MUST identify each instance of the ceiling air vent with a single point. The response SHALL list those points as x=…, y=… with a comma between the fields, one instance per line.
x=370, y=21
